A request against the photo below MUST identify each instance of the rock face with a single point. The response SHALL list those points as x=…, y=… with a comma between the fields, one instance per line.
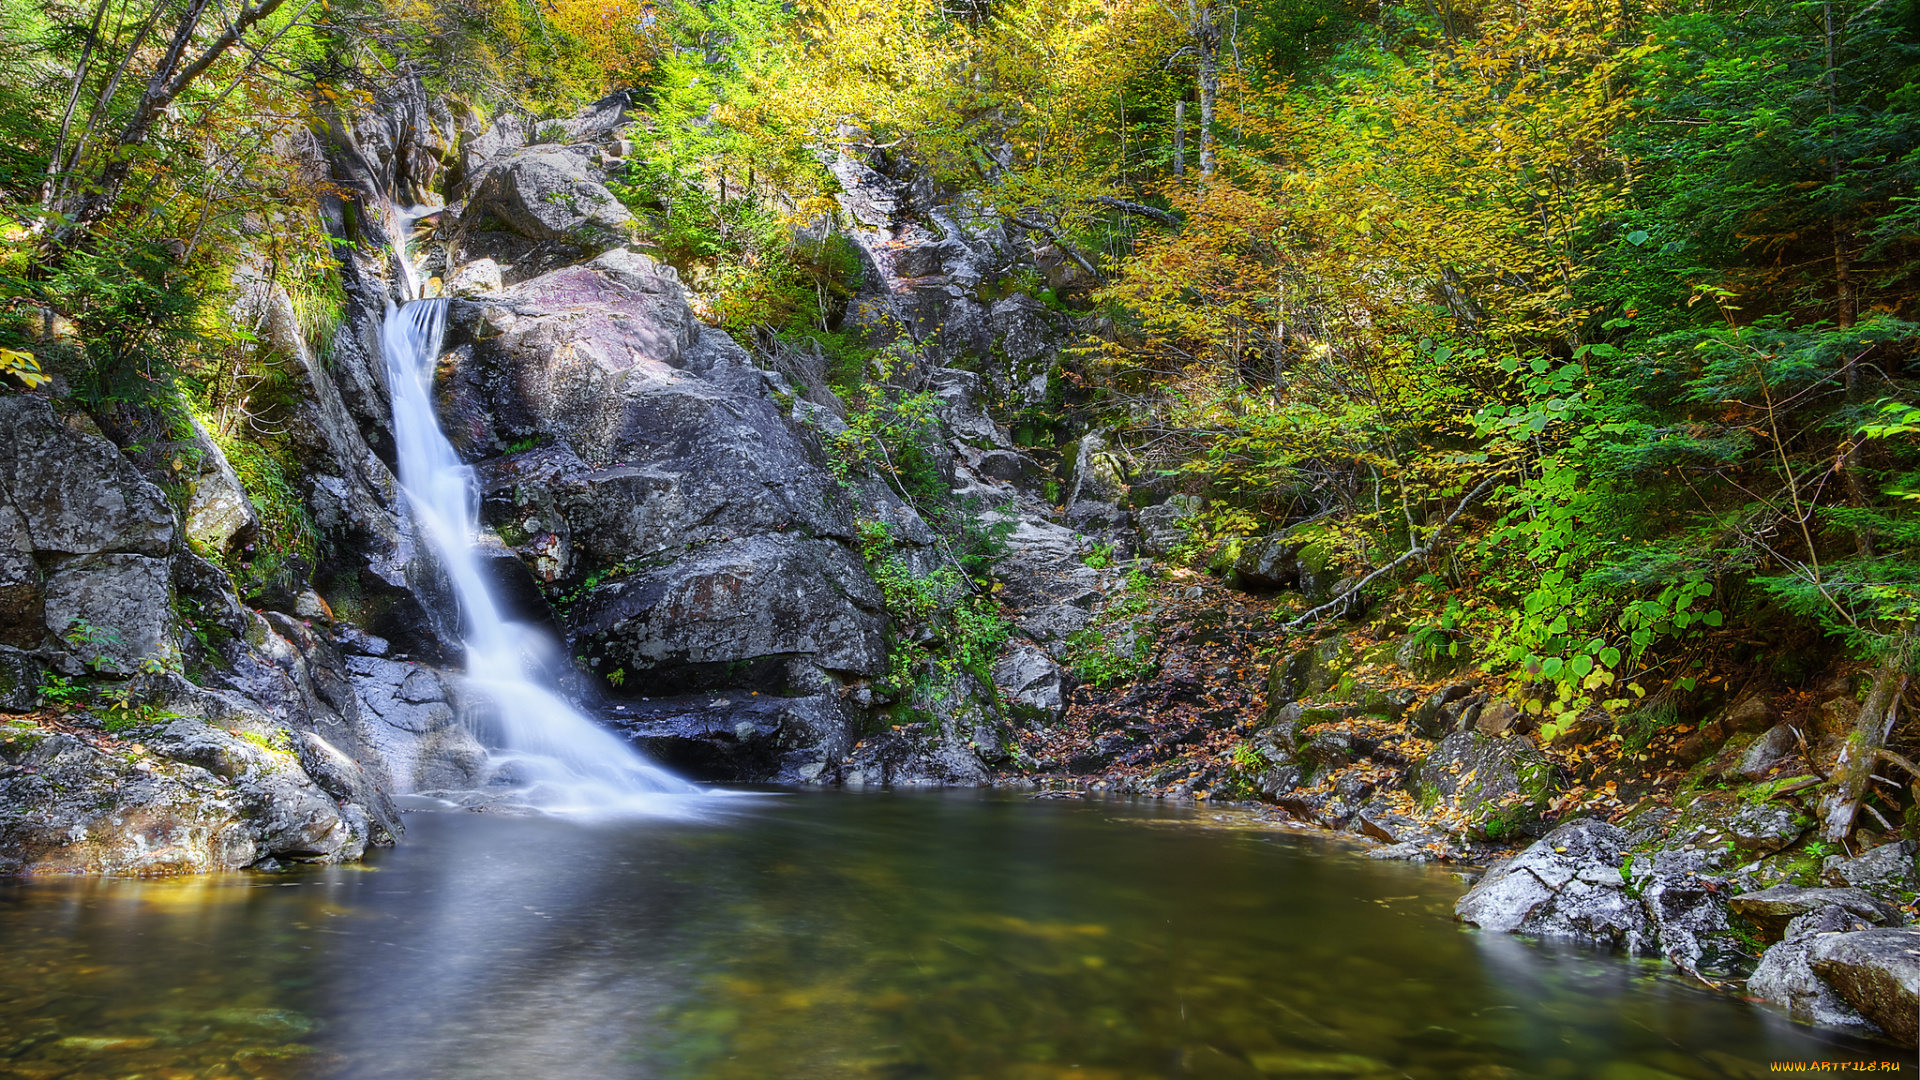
x=101, y=588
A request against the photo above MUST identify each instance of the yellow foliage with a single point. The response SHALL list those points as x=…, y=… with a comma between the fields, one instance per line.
x=22, y=365
x=620, y=39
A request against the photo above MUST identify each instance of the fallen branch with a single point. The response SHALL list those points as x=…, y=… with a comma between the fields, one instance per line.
x=1053, y=234
x=1415, y=552
x=1128, y=207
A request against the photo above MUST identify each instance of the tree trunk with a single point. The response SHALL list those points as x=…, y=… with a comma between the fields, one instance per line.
x=170, y=78
x=1862, y=750
x=1179, y=139
x=1209, y=90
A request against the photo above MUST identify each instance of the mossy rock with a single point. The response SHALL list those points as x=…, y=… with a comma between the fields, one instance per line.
x=1502, y=786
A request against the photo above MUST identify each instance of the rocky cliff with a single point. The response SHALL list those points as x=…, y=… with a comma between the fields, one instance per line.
x=665, y=502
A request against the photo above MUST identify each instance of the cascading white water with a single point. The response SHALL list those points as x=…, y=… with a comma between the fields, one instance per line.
x=549, y=756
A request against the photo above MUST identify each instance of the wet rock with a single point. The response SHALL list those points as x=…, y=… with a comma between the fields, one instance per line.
x=1568, y=885
x=347, y=781
x=422, y=742
x=1772, y=909
x=68, y=808
x=739, y=737
x=1785, y=975
x=551, y=193
x=1877, y=972
x=1684, y=900
x=1501, y=786
x=1886, y=873
x=768, y=596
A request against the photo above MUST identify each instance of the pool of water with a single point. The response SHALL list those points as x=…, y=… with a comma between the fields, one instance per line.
x=844, y=936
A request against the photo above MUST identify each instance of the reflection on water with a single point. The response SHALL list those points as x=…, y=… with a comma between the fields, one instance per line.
x=826, y=935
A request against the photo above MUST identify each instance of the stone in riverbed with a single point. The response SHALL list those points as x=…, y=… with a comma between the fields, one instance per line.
x=1886, y=872
x=1567, y=885
x=1786, y=977
x=1772, y=909
x=1877, y=972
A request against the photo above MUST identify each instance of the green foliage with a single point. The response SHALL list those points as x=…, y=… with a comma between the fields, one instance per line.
x=287, y=548
x=1638, y=728
x=1116, y=646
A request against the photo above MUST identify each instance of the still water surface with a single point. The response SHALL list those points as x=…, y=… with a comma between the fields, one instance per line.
x=832, y=935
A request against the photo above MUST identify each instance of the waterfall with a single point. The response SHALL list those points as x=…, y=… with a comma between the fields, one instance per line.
x=549, y=756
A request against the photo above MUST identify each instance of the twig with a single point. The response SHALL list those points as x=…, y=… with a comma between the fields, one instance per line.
x=1412, y=553
x=1808, y=755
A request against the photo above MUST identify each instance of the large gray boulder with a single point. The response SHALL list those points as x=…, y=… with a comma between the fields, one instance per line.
x=420, y=730
x=114, y=611
x=1877, y=972
x=553, y=193
x=783, y=597
x=83, y=541
x=193, y=797
x=1567, y=885
x=1785, y=974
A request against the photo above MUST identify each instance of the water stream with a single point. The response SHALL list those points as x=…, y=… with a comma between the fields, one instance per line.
x=546, y=754
x=851, y=937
